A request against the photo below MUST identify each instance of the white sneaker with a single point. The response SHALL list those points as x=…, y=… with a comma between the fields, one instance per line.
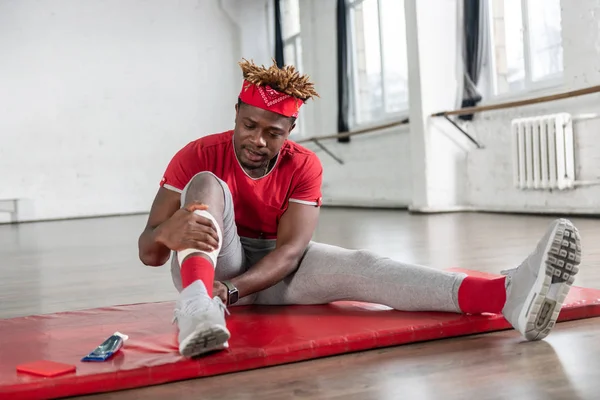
x=536, y=290
x=201, y=322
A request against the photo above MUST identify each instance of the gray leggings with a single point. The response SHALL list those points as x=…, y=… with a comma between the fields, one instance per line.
x=330, y=273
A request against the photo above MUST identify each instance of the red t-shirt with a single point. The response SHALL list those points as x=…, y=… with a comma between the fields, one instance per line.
x=258, y=203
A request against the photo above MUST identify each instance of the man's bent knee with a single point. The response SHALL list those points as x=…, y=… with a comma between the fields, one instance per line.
x=203, y=181
x=204, y=187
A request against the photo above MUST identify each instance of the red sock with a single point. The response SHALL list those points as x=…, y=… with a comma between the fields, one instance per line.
x=198, y=268
x=480, y=295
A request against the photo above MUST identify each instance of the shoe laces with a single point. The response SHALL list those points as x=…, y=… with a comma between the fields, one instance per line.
x=192, y=306
x=221, y=305
x=508, y=272
x=511, y=271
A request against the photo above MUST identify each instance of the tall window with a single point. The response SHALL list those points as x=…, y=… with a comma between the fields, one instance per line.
x=378, y=59
x=292, y=44
x=526, y=40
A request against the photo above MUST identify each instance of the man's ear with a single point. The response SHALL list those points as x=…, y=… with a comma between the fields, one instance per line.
x=237, y=112
x=293, y=121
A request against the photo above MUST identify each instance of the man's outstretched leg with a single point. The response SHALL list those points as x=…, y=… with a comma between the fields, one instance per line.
x=530, y=296
x=199, y=315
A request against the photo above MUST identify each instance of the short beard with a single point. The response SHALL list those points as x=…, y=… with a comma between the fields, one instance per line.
x=254, y=167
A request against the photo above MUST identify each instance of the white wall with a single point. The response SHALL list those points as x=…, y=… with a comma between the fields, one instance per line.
x=98, y=95
x=438, y=151
x=376, y=171
x=254, y=20
x=581, y=43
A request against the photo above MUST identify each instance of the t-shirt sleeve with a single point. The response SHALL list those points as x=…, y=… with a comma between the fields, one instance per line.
x=183, y=166
x=308, y=188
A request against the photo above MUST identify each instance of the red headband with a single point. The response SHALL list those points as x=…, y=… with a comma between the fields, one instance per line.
x=269, y=99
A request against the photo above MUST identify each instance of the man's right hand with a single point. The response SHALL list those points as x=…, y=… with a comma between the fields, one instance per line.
x=188, y=230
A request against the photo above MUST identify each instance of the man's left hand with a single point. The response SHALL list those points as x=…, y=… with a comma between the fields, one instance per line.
x=219, y=289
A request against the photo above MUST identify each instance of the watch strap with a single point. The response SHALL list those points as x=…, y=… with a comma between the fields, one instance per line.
x=232, y=292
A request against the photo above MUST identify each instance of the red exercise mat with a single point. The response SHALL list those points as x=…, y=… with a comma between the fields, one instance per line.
x=261, y=336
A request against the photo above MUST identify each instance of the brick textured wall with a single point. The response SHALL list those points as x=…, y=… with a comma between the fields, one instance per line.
x=490, y=184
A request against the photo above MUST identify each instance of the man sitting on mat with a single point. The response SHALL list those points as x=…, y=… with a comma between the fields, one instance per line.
x=237, y=211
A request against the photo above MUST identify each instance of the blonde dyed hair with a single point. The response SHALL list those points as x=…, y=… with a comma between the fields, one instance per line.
x=286, y=80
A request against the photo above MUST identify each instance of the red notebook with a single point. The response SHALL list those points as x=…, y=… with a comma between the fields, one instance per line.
x=46, y=368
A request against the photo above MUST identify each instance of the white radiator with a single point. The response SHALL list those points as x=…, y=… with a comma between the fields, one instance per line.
x=543, y=152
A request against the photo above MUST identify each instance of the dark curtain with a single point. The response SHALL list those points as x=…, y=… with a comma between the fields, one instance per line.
x=474, y=39
x=343, y=79
x=278, y=36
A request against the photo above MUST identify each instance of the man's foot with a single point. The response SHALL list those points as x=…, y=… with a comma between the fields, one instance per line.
x=536, y=290
x=201, y=322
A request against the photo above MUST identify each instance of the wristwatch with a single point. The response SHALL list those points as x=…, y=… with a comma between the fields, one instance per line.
x=232, y=293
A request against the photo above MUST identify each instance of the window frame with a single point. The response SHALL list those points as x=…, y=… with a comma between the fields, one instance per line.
x=354, y=84
x=294, y=41
x=546, y=84
x=299, y=132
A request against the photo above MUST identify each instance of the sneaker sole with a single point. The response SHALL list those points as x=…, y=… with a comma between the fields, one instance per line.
x=206, y=338
x=561, y=264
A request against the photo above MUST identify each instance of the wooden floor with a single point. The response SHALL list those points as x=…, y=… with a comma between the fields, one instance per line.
x=56, y=266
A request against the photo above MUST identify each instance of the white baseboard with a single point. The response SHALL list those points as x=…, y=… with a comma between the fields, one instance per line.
x=539, y=210
x=361, y=203
x=467, y=208
x=441, y=209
